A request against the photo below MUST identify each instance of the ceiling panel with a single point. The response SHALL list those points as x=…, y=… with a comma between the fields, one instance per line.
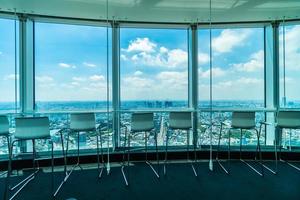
x=160, y=10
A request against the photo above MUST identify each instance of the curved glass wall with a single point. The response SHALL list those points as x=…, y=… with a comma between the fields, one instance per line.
x=289, y=71
x=154, y=65
x=237, y=77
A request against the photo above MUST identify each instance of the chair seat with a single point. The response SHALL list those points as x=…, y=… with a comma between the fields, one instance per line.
x=4, y=133
x=31, y=137
x=141, y=129
x=243, y=127
x=288, y=127
x=82, y=129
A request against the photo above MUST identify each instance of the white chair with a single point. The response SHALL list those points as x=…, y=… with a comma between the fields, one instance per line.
x=29, y=128
x=82, y=122
x=4, y=132
x=180, y=121
x=141, y=123
x=241, y=121
x=286, y=120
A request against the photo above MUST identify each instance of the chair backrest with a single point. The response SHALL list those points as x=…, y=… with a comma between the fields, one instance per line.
x=288, y=119
x=82, y=122
x=243, y=120
x=4, y=125
x=180, y=120
x=32, y=128
x=142, y=122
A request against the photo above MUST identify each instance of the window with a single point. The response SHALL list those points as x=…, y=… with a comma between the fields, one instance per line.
x=9, y=98
x=289, y=49
x=289, y=66
x=237, y=75
x=70, y=67
x=153, y=68
x=237, y=67
x=153, y=74
x=71, y=75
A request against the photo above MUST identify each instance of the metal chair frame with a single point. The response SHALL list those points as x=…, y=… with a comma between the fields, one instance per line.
x=280, y=150
x=8, y=148
x=21, y=185
x=65, y=153
x=146, y=137
x=187, y=149
x=258, y=149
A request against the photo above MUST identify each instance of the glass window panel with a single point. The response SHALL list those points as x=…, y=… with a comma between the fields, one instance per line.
x=237, y=67
x=70, y=67
x=154, y=68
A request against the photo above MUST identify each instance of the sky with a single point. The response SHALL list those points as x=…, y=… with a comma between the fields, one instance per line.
x=71, y=63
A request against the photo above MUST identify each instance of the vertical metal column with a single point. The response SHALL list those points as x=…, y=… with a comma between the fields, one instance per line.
x=26, y=53
x=116, y=82
x=26, y=76
x=193, y=77
x=271, y=77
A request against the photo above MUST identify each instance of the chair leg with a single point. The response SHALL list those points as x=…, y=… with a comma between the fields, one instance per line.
x=52, y=169
x=287, y=161
x=146, y=149
x=258, y=147
x=217, y=157
x=8, y=149
x=123, y=164
x=65, y=164
x=9, y=170
x=188, y=151
x=28, y=179
x=100, y=169
x=166, y=153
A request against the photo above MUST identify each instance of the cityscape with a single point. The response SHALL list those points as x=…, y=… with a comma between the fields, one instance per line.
x=59, y=119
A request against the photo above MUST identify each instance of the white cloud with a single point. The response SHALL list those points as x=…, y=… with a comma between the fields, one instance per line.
x=1, y=53
x=124, y=57
x=75, y=83
x=229, y=39
x=137, y=82
x=292, y=48
x=216, y=72
x=138, y=73
x=66, y=65
x=163, y=50
x=175, y=80
x=98, y=85
x=97, y=78
x=203, y=58
x=142, y=45
x=78, y=79
x=44, y=79
x=11, y=77
x=89, y=64
x=256, y=62
x=170, y=59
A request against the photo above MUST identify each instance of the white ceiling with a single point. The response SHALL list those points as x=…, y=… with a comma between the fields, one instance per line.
x=160, y=10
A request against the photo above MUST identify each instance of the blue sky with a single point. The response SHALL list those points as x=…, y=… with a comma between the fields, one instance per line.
x=71, y=63
x=7, y=60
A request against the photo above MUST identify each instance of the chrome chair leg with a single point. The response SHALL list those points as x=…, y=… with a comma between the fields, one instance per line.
x=65, y=165
x=147, y=162
x=188, y=152
x=217, y=157
x=123, y=163
x=166, y=153
x=250, y=166
x=273, y=171
x=286, y=161
x=28, y=179
x=100, y=169
x=8, y=149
